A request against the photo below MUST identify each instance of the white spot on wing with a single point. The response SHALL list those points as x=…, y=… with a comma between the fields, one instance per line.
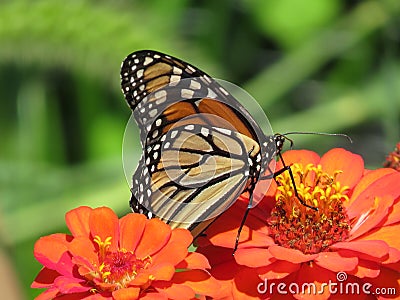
x=139, y=73
x=189, y=127
x=174, y=79
x=204, y=131
x=187, y=94
x=161, y=96
x=208, y=79
x=190, y=69
x=153, y=113
x=147, y=61
x=211, y=94
x=223, y=91
x=174, y=133
x=223, y=130
x=176, y=70
x=195, y=85
x=155, y=134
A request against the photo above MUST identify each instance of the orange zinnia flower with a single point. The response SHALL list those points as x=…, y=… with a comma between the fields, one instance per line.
x=353, y=239
x=130, y=258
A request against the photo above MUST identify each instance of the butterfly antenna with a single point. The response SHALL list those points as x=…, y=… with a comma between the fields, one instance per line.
x=317, y=133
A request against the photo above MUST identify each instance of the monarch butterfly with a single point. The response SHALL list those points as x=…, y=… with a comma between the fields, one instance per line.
x=201, y=147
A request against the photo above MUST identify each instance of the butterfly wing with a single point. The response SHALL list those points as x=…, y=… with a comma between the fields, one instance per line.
x=202, y=149
x=155, y=85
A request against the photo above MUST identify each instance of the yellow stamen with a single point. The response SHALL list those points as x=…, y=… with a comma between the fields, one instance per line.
x=295, y=226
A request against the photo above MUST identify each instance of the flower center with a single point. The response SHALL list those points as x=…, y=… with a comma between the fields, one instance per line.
x=292, y=225
x=118, y=268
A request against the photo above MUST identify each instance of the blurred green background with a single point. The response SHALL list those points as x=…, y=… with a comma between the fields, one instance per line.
x=313, y=65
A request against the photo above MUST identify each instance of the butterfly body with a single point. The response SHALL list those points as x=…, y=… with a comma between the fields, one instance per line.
x=201, y=148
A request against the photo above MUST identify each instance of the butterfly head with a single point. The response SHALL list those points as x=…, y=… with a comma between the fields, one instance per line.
x=280, y=140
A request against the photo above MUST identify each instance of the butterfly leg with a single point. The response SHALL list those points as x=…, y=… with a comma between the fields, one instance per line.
x=273, y=175
x=285, y=167
x=249, y=206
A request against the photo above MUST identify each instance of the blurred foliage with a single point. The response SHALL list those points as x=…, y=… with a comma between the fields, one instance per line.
x=313, y=65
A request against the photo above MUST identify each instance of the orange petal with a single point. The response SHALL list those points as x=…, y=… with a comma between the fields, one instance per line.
x=371, y=248
x=49, y=249
x=334, y=262
x=130, y=293
x=367, y=220
x=278, y=270
x=386, y=186
x=368, y=179
x=131, y=230
x=303, y=157
x=246, y=282
x=224, y=230
x=194, y=260
x=200, y=281
x=387, y=278
x=394, y=256
x=69, y=285
x=254, y=257
x=290, y=255
x=78, y=221
x=142, y=278
x=351, y=165
x=172, y=253
x=65, y=266
x=183, y=236
x=389, y=234
x=176, y=249
x=103, y=222
x=155, y=236
x=366, y=268
x=216, y=255
x=163, y=271
x=85, y=266
x=153, y=296
x=82, y=246
x=49, y=294
x=394, y=214
x=45, y=278
x=319, y=277
x=174, y=291
x=225, y=273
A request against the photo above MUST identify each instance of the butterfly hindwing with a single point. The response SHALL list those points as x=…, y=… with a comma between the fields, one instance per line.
x=189, y=172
